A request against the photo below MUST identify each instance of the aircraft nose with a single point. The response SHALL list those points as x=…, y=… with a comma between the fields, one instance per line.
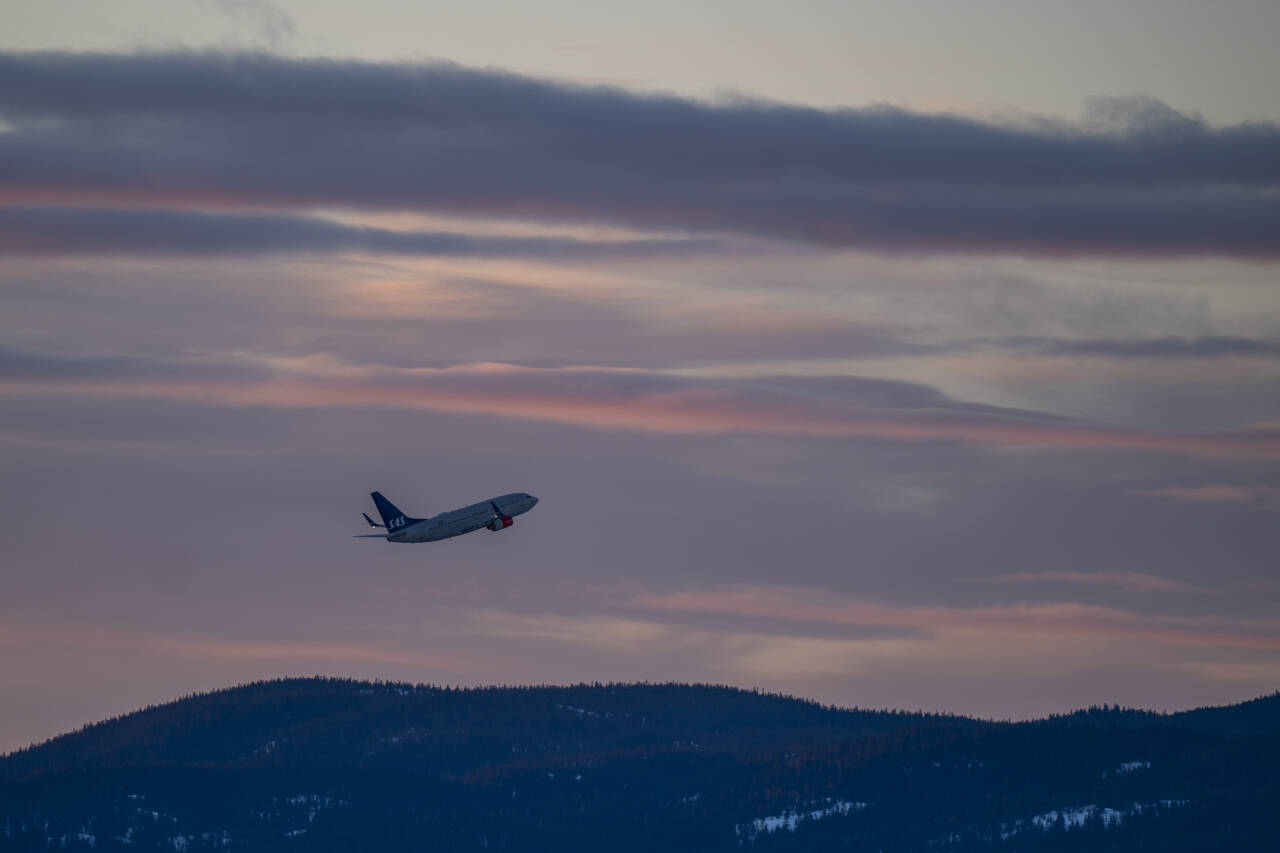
x=533, y=501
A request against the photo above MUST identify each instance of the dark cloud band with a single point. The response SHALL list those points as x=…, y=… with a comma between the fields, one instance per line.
x=179, y=129
x=1139, y=145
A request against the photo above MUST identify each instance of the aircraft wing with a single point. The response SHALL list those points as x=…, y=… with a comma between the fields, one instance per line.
x=370, y=536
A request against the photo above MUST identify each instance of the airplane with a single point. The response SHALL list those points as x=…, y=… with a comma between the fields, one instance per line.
x=496, y=514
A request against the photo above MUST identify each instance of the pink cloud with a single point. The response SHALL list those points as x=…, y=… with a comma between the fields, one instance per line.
x=1009, y=621
x=618, y=399
x=156, y=647
x=1216, y=493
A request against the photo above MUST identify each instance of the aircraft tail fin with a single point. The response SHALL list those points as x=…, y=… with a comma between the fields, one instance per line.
x=391, y=517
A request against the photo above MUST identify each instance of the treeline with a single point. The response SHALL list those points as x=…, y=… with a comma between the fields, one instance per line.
x=329, y=764
x=323, y=721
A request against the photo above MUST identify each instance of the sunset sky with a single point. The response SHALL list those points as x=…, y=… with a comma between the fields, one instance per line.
x=893, y=355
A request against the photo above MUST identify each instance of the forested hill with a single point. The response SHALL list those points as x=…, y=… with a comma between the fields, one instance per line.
x=329, y=722
x=323, y=764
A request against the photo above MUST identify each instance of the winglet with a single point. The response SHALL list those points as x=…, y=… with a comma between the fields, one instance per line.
x=372, y=523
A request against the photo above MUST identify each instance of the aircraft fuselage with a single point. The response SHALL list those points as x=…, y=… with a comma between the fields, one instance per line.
x=495, y=514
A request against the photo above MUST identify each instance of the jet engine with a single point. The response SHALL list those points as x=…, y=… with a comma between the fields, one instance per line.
x=501, y=522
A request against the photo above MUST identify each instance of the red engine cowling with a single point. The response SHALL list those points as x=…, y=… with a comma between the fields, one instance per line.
x=501, y=522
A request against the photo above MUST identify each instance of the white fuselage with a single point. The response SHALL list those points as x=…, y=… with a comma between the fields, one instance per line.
x=456, y=522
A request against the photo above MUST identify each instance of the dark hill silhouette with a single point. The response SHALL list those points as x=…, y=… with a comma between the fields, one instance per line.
x=331, y=722
x=1255, y=717
x=328, y=764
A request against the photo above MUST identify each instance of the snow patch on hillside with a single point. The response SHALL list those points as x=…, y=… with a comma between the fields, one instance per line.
x=1077, y=817
x=789, y=820
x=1130, y=766
x=313, y=804
x=1127, y=767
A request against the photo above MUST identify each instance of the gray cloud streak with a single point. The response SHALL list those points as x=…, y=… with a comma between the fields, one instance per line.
x=204, y=129
x=629, y=400
x=275, y=24
x=72, y=231
x=1209, y=346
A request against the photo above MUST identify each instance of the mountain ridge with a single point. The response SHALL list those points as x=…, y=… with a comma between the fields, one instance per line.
x=1263, y=710
x=316, y=697
x=329, y=764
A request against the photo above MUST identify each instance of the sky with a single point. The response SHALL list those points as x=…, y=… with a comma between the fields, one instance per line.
x=907, y=356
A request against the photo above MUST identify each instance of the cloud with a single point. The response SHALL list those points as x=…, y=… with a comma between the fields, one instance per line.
x=1137, y=115
x=275, y=23
x=1217, y=493
x=161, y=646
x=1171, y=347
x=53, y=231
x=619, y=399
x=201, y=130
x=1060, y=619
x=1125, y=580
x=421, y=313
